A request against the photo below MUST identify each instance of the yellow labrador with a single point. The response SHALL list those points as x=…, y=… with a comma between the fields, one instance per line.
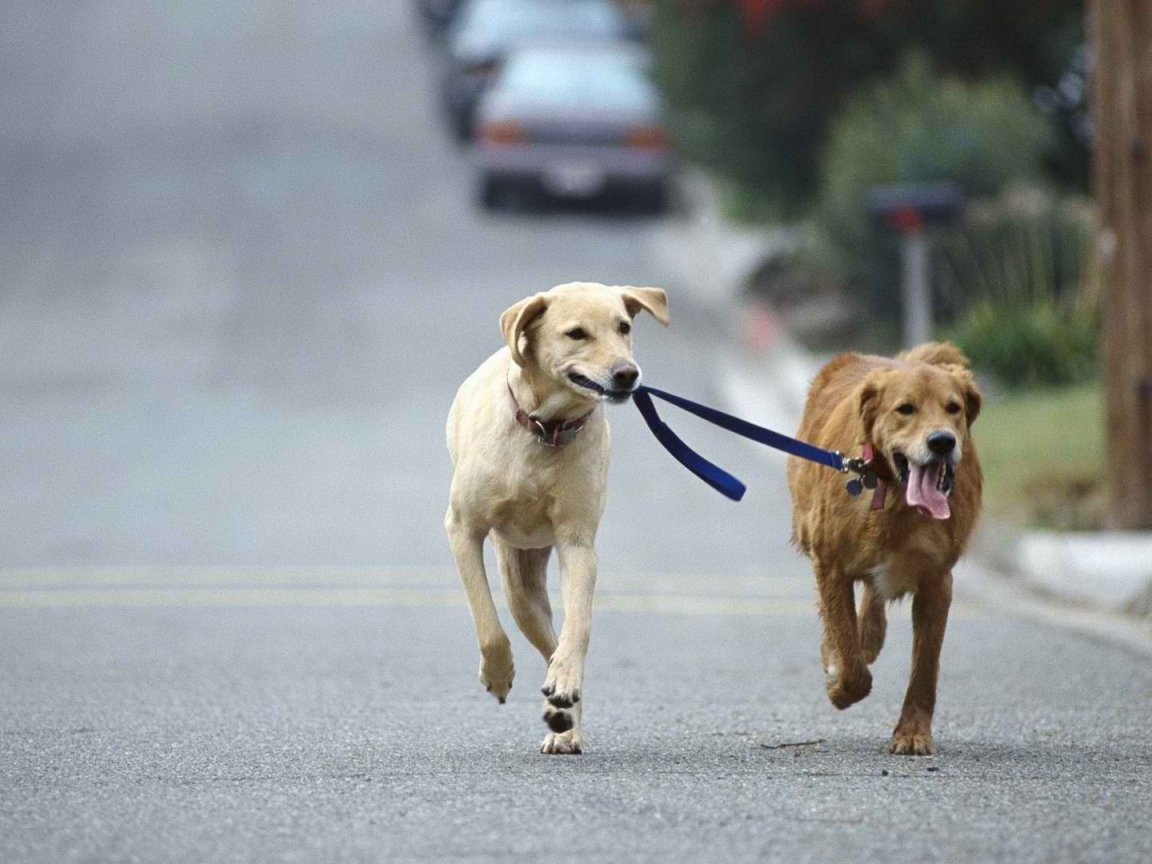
x=530, y=446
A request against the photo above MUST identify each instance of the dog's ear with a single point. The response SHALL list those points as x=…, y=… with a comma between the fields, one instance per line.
x=935, y=354
x=972, y=398
x=868, y=403
x=516, y=319
x=654, y=300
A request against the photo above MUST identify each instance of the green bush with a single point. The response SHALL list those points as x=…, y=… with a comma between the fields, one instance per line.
x=752, y=88
x=1019, y=281
x=752, y=107
x=1022, y=247
x=918, y=127
x=1042, y=343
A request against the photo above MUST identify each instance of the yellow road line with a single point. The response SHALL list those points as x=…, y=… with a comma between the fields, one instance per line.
x=325, y=597
x=320, y=597
x=750, y=583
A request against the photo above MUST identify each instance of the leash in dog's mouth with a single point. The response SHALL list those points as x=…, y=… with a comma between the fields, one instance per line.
x=616, y=397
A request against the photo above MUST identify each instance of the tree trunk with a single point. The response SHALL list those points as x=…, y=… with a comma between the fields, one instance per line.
x=1121, y=32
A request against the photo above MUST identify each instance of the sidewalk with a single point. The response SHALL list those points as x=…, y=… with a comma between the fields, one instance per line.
x=1099, y=584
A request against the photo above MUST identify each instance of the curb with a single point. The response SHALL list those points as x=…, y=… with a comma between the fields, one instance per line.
x=1107, y=570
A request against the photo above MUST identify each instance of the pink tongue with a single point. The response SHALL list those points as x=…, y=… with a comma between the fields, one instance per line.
x=922, y=491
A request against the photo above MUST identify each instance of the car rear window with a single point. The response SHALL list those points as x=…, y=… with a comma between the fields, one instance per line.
x=505, y=21
x=612, y=81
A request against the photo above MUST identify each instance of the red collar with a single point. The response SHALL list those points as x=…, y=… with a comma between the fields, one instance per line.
x=556, y=433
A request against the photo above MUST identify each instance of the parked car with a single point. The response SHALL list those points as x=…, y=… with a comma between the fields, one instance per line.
x=485, y=29
x=573, y=121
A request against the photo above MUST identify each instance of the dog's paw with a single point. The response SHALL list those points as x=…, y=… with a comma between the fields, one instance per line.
x=559, y=720
x=497, y=670
x=843, y=691
x=568, y=743
x=912, y=745
x=562, y=686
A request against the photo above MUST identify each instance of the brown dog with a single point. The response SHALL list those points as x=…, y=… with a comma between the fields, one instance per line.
x=916, y=413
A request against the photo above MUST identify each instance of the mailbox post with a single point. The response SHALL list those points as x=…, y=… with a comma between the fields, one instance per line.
x=911, y=210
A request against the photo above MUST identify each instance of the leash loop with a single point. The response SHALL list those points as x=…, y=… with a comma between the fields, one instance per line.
x=715, y=476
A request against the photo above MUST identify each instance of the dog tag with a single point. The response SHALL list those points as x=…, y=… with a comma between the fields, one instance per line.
x=854, y=487
x=869, y=480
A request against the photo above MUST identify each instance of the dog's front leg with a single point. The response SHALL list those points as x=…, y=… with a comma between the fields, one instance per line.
x=496, y=669
x=849, y=680
x=913, y=735
x=562, y=687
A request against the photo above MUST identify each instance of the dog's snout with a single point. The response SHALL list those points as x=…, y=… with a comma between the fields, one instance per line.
x=942, y=443
x=625, y=375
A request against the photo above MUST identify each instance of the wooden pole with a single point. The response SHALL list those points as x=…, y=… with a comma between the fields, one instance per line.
x=1121, y=34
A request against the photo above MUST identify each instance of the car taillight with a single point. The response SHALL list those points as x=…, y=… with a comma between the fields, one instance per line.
x=647, y=138
x=503, y=132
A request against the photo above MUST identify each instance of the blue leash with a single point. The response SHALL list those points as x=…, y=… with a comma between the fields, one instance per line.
x=714, y=475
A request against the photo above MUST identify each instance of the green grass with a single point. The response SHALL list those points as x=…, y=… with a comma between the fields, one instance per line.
x=1043, y=456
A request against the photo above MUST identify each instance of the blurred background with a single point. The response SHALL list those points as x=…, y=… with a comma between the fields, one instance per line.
x=249, y=249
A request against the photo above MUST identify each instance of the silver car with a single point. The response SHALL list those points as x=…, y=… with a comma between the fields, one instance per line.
x=485, y=30
x=573, y=121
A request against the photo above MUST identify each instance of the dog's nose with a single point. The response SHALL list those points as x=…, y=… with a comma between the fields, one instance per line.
x=625, y=375
x=942, y=443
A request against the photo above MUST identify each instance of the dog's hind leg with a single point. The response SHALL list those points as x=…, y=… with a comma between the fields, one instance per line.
x=873, y=623
x=496, y=668
x=913, y=735
x=849, y=680
x=525, y=573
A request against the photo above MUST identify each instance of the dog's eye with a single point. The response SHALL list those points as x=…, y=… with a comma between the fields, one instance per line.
x=953, y=408
x=625, y=328
x=577, y=333
x=906, y=408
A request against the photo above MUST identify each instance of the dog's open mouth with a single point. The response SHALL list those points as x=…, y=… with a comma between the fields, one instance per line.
x=926, y=486
x=613, y=396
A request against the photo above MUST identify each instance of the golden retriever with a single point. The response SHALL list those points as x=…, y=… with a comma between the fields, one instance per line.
x=530, y=446
x=916, y=412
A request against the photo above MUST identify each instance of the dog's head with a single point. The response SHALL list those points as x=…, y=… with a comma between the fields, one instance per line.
x=919, y=416
x=580, y=336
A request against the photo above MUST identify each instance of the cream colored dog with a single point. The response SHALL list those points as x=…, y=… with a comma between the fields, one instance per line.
x=530, y=445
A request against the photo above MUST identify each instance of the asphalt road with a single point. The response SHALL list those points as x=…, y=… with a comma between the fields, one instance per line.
x=240, y=278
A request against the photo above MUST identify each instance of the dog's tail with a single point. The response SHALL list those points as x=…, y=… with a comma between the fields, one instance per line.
x=936, y=354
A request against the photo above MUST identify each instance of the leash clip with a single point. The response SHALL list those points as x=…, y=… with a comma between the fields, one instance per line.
x=852, y=464
x=865, y=478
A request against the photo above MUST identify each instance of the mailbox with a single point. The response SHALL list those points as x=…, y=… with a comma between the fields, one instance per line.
x=912, y=209
x=909, y=207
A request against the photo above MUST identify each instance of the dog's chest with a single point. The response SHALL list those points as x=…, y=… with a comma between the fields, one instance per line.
x=923, y=552
x=521, y=505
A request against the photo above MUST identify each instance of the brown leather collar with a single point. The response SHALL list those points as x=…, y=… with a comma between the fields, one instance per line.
x=556, y=433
